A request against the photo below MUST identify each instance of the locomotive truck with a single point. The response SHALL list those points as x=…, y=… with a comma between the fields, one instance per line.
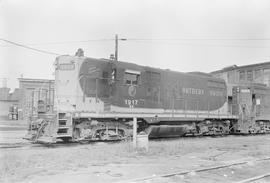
x=97, y=99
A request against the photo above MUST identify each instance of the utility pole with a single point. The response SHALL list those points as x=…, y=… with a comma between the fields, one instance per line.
x=134, y=132
x=116, y=47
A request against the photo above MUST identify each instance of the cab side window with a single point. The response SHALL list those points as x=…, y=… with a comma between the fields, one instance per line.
x=131, y=77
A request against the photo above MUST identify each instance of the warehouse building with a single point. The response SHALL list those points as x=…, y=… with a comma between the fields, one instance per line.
x=254, y=79
x=247, y=74
x=8, y=100
x=253, y=73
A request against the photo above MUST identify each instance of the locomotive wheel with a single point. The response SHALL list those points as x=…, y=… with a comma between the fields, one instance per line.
x=111, y=135
x=66, y=139
x=222, y=130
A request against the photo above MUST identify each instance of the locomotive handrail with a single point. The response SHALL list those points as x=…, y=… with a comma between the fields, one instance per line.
x=89, y=76
x=185, y=101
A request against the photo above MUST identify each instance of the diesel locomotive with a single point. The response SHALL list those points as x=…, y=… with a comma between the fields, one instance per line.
x=97, y=99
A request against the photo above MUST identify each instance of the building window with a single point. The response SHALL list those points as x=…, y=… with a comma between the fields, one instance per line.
x=266, y=76
x=242, y=75
x=250, y=75
x=231, y=76
x=258, y=74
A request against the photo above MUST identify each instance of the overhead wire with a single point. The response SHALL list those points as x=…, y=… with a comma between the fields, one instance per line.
x=167, y=41
x=199, y=39
x=204, y=42
x=67, y=42
x=154, y=39
x=27, y=47
x=186, y=43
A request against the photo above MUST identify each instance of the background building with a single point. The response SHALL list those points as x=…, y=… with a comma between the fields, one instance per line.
x=247, y=74
x=8, y=100
x=4, y=93
x=253, y=82
x=255, y=73
x=30, y=91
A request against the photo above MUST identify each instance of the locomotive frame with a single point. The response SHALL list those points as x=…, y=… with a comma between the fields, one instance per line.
x=96, y=99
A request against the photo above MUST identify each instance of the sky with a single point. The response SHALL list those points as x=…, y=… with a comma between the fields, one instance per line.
x=181, y=35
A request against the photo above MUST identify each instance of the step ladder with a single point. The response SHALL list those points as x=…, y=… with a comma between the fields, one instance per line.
x=64, y=125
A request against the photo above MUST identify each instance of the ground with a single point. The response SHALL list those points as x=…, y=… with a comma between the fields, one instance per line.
x=21, y=161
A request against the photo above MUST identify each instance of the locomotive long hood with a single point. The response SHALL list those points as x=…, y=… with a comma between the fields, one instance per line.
x=154, y=88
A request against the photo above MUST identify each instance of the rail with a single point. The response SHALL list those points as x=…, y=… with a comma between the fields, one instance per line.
x=185, y=172
x=256, y=178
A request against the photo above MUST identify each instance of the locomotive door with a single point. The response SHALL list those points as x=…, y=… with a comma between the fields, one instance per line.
x=132, y=88
x=245, y=102
x=153, y=89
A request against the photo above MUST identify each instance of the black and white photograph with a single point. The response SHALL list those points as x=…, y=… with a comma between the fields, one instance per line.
x=134, y=91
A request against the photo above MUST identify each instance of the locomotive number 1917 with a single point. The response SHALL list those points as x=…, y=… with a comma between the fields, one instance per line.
x=131, y=103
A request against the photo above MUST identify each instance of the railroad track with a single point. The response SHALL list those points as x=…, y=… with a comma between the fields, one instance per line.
x=23, y=145
x=253, y=179
x=27, y=144
x=197, y=171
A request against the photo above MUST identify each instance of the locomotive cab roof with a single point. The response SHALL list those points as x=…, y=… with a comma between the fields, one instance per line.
x=141, y=68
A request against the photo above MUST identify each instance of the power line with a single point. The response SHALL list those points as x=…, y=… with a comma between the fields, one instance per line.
x=151, y=39
x=168, y=41
x=196, y=44
x=199, y=39
x=70, y=42
x=27, y=47
x=67, y=42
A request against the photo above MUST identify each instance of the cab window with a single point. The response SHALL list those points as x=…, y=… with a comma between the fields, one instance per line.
x=131, y=77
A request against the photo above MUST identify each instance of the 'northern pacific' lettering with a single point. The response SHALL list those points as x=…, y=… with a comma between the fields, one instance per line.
x=193, y=91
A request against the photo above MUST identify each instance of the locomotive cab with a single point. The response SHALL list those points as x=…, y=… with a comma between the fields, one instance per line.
x=251, y=104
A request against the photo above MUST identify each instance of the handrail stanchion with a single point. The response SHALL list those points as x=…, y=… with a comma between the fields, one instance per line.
x=134, y=133
x=185, y=103
x=197, y=109
x=208, y=110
